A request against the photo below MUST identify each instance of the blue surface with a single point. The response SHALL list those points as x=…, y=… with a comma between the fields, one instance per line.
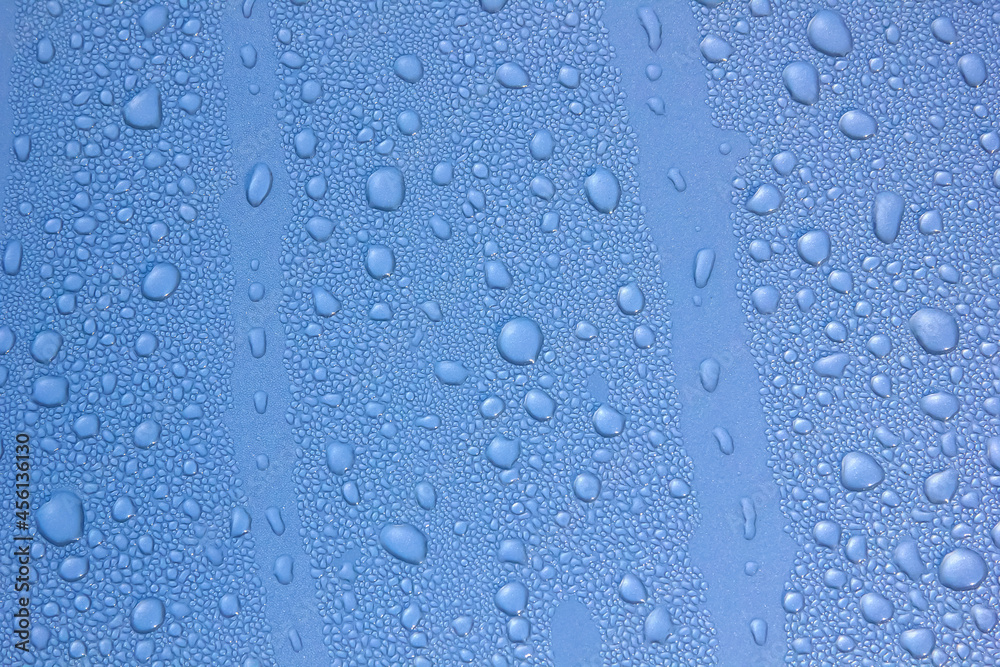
x=500, y=332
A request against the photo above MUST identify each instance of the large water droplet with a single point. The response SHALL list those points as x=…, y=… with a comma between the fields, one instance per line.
x=145, y=110
x=603, y=190
x=814, y=247
x=520, y=341
x=962, y=570
x=60, y=520
x=875, y=608
x=512, y=75
x=935, y=330
x=161, y=281
x=46, y=346
x=857, y=125
x=512, y=598
x=860, y=472
x=887, y=215
x=148, y=615
x=827, y=33
x=503, y=452
x=405, y=542
x=258, y=184
x=766, y=199
x=408, y=68
x=385, y=189
x=50, y=391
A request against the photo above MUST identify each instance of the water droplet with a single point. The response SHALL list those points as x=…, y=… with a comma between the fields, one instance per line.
x=935, y=330
x=587, y=486
x=539, y=405
x=709, y=372
x=766, y=199
x=520, y=341
x=608, y=422
x=860, y=472
x=404, y=542
x=46, y=346
x=832, y=365
x=631, y=300
x=758, y=630
x=161, y=281
x=814, y=247
x=858, y=125
x=513, y=76
x=60, y=519
x=962, y=570
x=973, y=69
x=46, y=50
x=503, y=452
x=512, y=598
x=380, y=262
x=148, y=615
x=257, y=338
x=765, y=299
x=542, y=145
x=146, y=434
x=828, y=33
x=50, y=391
x=385, y=189
x=451, y=372
x=940, y=487
x=283, y=569
x=875, y=608
x=724, y=440
x=145, y=110
x=941, y=405
x=715, y=49
x=651, y=24
x=153, y=20
x=305, y=143
x=943, y=30
x=704, y=262
x=339, y=457
x=657, y=626
x=325, y=303
x=906, y=557
x=603, y=190
x=408, y=68
x=632, y=589
x=492, y=6
x=887, y=214
x=248, y=56
x=258, y=184
x=12, y=254
x=918, y=642
x=74, y=568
